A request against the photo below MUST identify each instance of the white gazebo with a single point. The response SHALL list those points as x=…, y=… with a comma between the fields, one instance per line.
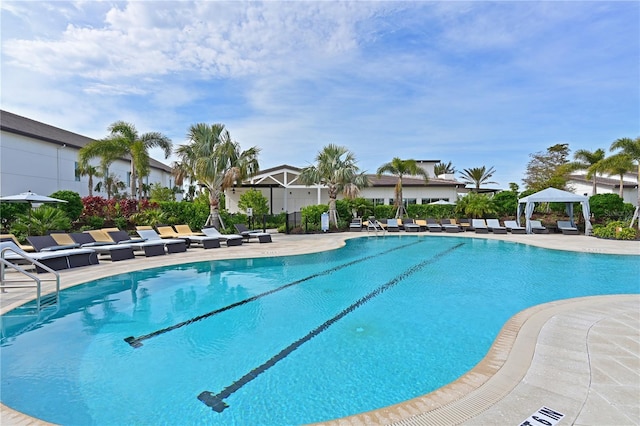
x=553, y=195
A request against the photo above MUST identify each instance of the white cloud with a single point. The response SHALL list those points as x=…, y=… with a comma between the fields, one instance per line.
x=476, y=83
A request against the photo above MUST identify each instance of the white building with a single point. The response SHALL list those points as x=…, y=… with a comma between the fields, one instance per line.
x=43, y=159
x=285, y=193
x=606, y=184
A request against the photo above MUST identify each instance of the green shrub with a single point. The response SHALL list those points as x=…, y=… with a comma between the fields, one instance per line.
x=616, y=230
x=9, y=213
x=44, y=218
x=384, y=211
x=73, y=206
x=94, y=222
x=255, y=200
x=311, y=216
x=506, y=203
x=610, y=206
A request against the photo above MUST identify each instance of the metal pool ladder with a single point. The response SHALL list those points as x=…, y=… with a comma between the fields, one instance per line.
x=26, y=279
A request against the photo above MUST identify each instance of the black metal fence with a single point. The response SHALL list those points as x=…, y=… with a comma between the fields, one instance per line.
x=294, y=220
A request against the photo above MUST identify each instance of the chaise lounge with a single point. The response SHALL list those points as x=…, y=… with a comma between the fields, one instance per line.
x=537, y=227
x=229, y=239
x=567, y=228
x=55, y=259
x=480, y=226
x=495, y=227
x=433, y=225
x=450, y=225
x=263, y=237
x=512, y=226
x=70, y=256
x=115, y=252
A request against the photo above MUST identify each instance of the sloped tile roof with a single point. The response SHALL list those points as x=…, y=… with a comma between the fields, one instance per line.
x=13, y=123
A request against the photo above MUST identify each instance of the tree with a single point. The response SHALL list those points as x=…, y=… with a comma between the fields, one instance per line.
x=111, y=183
x=256, y=201
x=401, y=168
x=73, y=206
x=592, y=162
x=336, y=168
x=477, y=176
x=619, y=164
x=215, y=161
x=548, y=169
x=160, y=193
x=87, y=169
x=443, y=169
x=123, y=141
x=631, y=147
x=475, y=205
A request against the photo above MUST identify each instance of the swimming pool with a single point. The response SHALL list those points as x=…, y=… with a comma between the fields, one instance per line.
x=377, y=322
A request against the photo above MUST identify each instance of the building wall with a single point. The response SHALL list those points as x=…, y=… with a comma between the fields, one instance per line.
x=45, y=167
x=298, y=197
x=629, y=195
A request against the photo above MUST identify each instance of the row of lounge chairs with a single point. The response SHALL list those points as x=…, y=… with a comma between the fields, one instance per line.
x=68, y=250
x=480, y=226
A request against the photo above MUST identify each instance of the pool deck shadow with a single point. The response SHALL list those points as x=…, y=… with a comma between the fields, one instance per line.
x=579, y=357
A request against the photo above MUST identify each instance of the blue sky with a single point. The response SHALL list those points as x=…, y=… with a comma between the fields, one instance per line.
x=474, y=83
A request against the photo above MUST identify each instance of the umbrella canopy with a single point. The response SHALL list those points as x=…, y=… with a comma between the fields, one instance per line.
x=31, y=198
x=442, y=203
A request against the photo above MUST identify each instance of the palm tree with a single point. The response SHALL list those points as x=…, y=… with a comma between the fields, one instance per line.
x=444, y=169
x=477, y=176
x=475, y=205
x=215, y=161
x=591, y=162
x=86, y=169
x=401, y=168
x=111, y=183
x=630, y=147
x=336, y=168
x=124, y=140
x=619, y=164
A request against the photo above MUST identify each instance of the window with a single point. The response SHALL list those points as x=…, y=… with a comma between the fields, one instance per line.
x=76, y=171
x=408, y=201
x=376, y=201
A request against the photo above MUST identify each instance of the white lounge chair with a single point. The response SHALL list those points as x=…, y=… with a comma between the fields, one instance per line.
x=512, y=226
x=230, y=239
x=392, y=225
x=152, y=239
x=567, y=228
x=263, y=237
x=480, y=226
x=433, y=226
x=54, y=259
x=537, y=227
x=495, y=227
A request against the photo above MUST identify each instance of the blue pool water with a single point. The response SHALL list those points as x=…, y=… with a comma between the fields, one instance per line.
x=377, y=322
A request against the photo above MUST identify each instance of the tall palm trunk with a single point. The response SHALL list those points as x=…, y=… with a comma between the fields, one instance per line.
x=214, y=218
x=333, y=211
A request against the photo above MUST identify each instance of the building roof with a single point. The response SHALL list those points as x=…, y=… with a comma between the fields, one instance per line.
x=16, y=124
x=391, y=180
x=275, y=176
x=603, y=181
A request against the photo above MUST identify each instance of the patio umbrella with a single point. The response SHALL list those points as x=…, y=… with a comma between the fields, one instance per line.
x=442, y=202
x=31, y=198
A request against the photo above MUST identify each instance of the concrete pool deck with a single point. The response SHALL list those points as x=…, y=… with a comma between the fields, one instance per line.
x=579, y=357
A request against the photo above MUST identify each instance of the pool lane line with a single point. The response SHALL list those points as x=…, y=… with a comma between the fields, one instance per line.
x=216, y=401
x=136, y=341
